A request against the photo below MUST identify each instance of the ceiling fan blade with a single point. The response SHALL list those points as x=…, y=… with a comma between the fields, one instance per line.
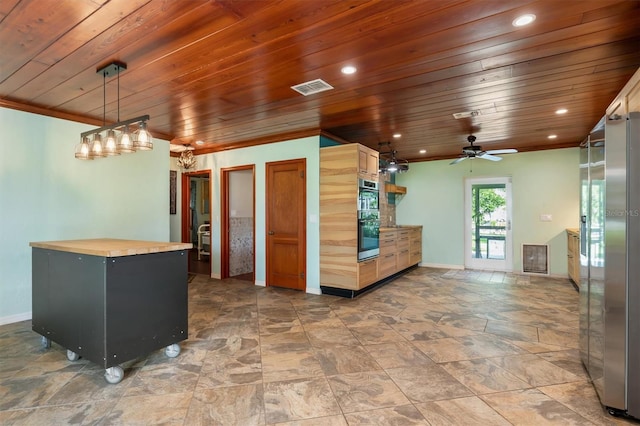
x=456, y=161
x=490, y=157
x=502, y=151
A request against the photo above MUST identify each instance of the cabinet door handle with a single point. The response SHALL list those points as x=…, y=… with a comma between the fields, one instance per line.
x=271, y=233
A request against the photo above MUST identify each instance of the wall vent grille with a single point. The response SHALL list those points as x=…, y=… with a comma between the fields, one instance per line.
x=311, y=87
x=535, y=259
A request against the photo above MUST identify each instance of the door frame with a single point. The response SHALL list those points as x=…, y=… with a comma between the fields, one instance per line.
x=225, y=217
x=184, y=208
x=505, y=265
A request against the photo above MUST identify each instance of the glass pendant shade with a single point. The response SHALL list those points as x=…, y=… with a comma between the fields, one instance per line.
x=110, y=144
x=97, y=150
x=125, y=142
x=82, y=149
x=142, y=138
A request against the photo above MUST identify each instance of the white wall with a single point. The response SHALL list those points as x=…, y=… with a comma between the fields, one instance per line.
x=543, y=182
x=46, y=194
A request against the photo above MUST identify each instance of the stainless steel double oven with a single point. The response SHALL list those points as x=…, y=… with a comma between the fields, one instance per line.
x=368, y=220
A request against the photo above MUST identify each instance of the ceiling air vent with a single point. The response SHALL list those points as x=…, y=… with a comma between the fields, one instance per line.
x=311, y=87
x=466, y=114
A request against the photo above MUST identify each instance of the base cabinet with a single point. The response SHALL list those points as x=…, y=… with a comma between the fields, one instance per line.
x=399, y=249
x=367, y=273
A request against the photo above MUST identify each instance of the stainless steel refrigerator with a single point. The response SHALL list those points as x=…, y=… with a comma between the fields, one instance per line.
x=610, y=261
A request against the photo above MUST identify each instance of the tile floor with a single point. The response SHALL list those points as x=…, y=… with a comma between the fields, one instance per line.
x=434, y=347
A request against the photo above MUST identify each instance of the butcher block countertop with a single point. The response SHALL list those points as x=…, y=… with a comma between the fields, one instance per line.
x=111, y=247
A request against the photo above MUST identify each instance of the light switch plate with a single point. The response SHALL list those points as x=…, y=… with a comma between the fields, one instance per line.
x=545, y=218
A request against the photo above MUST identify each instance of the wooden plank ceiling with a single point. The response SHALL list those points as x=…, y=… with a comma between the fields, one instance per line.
x=221, y=71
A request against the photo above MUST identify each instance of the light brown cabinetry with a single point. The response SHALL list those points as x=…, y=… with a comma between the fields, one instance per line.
x=367, y=272
x=399, y=249
x=573, y=255
x=368, y=163
x=415, y=245
x=340, y=168
x=403, y=246
x=628, y=100
x=387, y=258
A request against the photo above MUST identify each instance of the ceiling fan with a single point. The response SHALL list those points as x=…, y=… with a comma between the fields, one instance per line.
x=388, y=161
x=475, y=151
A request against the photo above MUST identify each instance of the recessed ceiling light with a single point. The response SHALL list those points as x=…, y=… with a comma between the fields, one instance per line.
x=199, y=142
x=523, y=20
x=423, y=151
x=552, y=136
x=349, y=69
x=397, y=135
x=562, y=111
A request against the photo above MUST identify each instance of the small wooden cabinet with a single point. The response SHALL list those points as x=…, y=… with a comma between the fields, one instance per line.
x=573, y=255
x=368, y=163
x=367, y=272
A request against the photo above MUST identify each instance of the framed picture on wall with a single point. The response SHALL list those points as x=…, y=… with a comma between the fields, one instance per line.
x=173, y=179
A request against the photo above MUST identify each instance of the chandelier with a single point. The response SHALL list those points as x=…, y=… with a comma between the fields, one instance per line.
x=186, y=160
x=121, y=137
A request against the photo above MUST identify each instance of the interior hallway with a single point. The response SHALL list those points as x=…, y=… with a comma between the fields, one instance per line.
x=434, y=347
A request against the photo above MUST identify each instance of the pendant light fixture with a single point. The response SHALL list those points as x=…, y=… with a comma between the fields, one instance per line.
x=118, y=136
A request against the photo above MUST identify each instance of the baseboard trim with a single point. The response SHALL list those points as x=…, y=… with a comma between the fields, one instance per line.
x=15, y=318
x=441, y=266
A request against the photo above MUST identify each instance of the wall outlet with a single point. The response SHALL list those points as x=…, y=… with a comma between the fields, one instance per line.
x=546, y=218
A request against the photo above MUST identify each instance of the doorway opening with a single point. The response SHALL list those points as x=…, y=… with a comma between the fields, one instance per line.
x=196, y=220
x=488, y=224
x=238, y=223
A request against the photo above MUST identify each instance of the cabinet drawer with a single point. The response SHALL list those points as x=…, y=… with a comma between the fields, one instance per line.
x=415, y=233
x=387, y=240
x=405, y=233
x=403, y=259
x=403, y=242
x=387, y=265
x=415, y=257
x=367, y=272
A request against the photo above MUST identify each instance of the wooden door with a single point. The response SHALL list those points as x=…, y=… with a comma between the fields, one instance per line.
x=286, y=224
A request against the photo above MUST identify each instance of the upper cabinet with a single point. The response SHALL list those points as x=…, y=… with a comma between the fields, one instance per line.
x=367, y=163
x=628, y=100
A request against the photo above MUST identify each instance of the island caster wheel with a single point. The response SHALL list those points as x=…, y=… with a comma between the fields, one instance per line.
x=46, y=342
x=172, y=351
x=114, y=375
x=72, y=356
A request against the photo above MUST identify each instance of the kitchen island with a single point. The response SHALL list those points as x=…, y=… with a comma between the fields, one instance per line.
x=110, y=300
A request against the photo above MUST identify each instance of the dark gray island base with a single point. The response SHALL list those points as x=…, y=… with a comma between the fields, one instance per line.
x=110, y=301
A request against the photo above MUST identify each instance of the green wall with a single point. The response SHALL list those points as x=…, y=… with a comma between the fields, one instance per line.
x=46, y=194
x=543, y=182
x=307, y=148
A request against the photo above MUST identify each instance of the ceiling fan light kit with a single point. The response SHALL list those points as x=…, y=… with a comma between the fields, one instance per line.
x=475, y=151
x=118, y=137
x=389, y=163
